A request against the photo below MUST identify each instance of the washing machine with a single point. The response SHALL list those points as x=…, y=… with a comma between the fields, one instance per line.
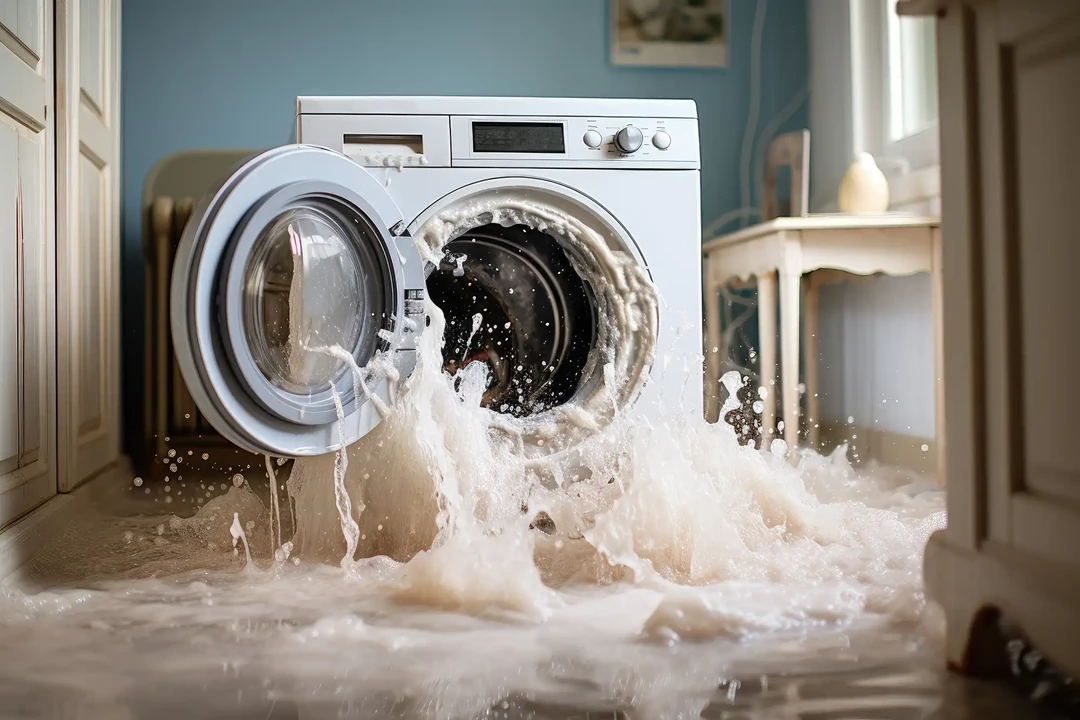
x=559, y=237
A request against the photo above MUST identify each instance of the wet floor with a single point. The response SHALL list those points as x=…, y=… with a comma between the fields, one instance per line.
x=98, y=630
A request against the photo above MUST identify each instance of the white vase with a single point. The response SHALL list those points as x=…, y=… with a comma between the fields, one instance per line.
x=864, y=188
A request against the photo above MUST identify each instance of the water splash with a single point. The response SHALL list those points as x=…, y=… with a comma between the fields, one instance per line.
x=237, y=532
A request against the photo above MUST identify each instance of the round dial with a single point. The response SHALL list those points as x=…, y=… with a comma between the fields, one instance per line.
x=593, y=139
x=629, y=139
x=661, y=140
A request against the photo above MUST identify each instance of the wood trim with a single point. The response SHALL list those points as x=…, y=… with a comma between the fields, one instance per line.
x=22, y=94
x=1046, y=527
x=86, y=448
x=1001, y=296
x=961, y=260
x=889, y=448
x=21, y=540
x=822, y=221
x=1033, y=593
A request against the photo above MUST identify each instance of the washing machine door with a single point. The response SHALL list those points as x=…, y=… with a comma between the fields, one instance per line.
x=287, y=275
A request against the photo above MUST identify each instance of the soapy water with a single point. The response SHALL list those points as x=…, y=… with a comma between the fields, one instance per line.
x=663, y=569
x=445, y=566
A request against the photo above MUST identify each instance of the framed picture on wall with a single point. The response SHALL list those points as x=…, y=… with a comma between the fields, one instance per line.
x=669, y=33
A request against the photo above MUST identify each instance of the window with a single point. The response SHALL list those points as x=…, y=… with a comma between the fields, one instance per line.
x=894, y=93
x=912, y=74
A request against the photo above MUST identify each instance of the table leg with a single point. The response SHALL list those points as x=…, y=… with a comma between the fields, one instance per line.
x=813, y=358
x=712, y=352
x=936, y=280
x=790, y=289
x=767, y=353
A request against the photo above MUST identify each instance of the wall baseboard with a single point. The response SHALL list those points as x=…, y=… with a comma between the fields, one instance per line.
x=888, y=448
x=23, y=539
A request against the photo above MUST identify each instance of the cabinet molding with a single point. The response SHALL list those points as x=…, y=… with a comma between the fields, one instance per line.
x=88, y=192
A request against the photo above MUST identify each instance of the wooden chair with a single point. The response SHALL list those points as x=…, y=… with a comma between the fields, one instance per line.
x=791, y=150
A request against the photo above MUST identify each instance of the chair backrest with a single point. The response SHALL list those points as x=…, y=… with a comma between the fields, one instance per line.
x=793, y=150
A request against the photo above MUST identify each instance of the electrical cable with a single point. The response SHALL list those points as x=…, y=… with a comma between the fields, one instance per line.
x=755, y=103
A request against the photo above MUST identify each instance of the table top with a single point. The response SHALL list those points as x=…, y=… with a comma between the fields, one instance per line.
x=839, y=222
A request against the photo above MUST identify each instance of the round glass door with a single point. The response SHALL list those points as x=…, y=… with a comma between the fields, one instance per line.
x=287, y=279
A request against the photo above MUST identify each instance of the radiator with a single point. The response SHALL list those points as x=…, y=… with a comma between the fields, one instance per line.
x=172, y=420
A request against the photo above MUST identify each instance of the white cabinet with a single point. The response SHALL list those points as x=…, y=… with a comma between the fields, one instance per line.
x=1009, y=77
x=28, y=470
x=88, y=245
x=59, y=247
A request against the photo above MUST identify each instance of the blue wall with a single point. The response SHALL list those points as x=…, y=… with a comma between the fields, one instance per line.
x=226, y=73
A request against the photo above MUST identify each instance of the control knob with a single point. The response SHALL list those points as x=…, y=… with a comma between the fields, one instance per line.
x=629, y=139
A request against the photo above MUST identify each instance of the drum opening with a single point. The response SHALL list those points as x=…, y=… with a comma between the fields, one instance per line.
x=513, y=300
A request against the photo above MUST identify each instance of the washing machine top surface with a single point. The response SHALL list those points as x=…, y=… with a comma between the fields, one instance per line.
x=465, y=105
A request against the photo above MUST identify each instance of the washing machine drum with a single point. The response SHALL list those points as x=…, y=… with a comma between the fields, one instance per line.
x=513, y=301
x=287, y=277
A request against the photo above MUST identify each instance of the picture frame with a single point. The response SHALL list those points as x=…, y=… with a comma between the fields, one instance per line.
x=670, y=33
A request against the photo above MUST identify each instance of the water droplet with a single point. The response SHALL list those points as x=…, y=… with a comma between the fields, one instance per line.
x=172, y=453
x=237, y=480
x=137, y=481
x=925, y=448
x=850, y=420
x=206, y=456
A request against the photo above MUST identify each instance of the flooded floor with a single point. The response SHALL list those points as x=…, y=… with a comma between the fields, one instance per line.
x=131, y=611
x=444, y=568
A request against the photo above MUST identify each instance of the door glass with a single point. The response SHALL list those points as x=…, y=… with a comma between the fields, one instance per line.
x=304, y=296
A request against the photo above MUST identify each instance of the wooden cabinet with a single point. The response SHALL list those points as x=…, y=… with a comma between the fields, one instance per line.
x=1009, y=78
x=28, y=469
x=59, y=245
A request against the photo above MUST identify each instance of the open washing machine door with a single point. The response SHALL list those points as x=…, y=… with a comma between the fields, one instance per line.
x=297, y=260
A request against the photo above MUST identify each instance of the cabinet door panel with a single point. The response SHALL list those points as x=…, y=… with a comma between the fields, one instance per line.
x=89, y=238
x=28, y=468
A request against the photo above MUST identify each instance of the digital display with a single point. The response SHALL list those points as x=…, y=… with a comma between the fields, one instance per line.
x=497, y=137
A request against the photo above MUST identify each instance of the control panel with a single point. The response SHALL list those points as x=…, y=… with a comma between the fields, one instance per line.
x=574, y=142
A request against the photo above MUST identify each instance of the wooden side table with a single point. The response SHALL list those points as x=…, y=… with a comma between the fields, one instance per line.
x=778, y=253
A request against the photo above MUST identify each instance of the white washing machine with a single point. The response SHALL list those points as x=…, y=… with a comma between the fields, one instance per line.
x=539, y=226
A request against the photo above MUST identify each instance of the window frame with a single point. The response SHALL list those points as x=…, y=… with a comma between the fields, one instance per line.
x=912, y=162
